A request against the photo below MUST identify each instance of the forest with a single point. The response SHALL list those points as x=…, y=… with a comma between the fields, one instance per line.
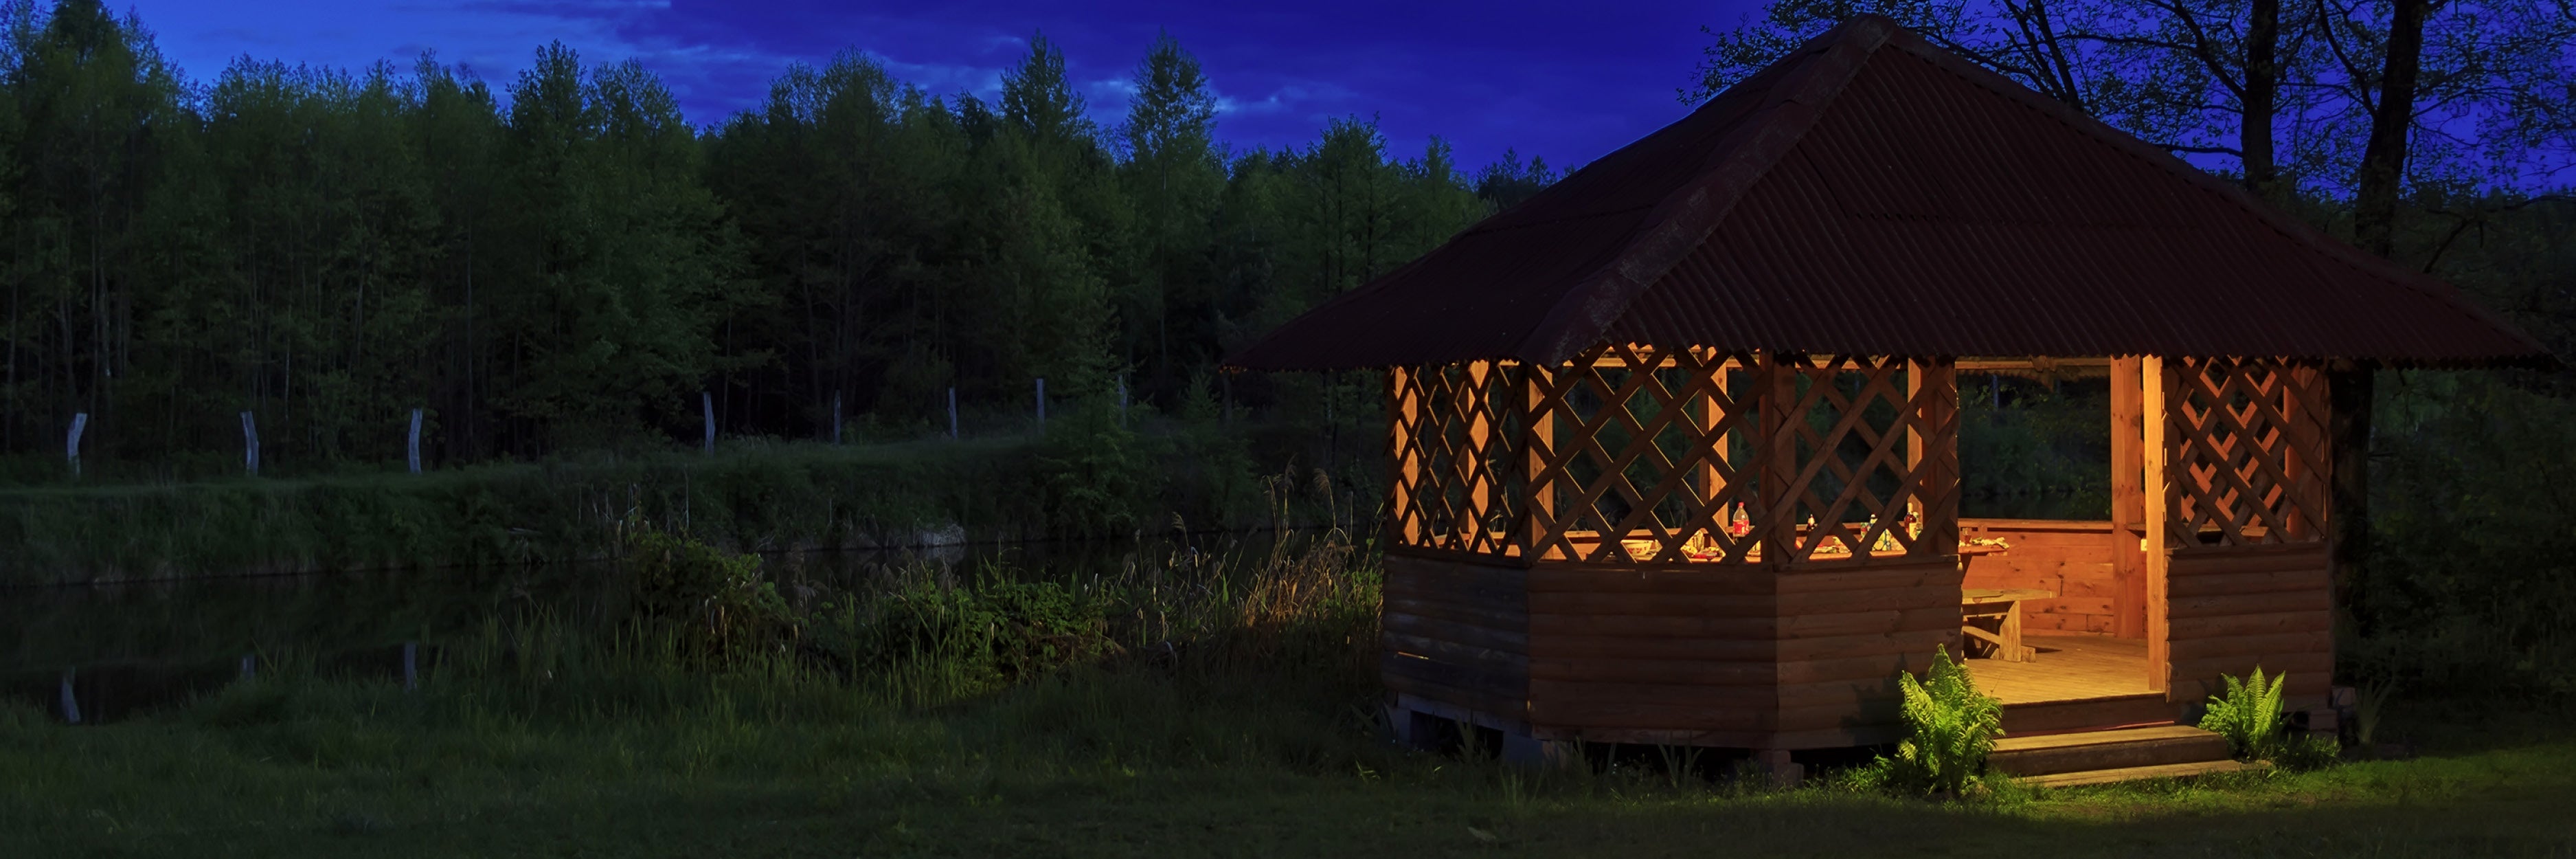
x=566, y=262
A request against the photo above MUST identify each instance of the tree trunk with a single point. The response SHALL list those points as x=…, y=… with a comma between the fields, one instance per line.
x=2383, y=159
x=2262, y=96
x=2383, y=170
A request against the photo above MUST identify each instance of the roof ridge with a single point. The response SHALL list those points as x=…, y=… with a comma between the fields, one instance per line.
x=1680, y=222
x=2280, y=222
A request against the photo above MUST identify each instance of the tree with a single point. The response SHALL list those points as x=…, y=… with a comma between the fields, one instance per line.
x=1505, y=183
x=621, y=268
x=1172, y=175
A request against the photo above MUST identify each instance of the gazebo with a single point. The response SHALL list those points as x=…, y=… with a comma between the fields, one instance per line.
x=1672, y=445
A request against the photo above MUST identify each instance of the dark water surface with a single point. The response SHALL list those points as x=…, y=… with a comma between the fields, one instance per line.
x=126, y=647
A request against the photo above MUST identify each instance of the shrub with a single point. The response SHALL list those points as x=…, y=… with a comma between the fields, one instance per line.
x=979, y=635
x=2249, y=716
x=717, y=602
x=1951, y=728
x=2309, y=753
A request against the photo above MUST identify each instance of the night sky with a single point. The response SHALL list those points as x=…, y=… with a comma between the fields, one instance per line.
x=1564, y=81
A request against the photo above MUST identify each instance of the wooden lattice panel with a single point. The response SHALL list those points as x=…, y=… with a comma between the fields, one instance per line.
x=1860, y=433
x=1456, y=434
x=2248, y=451
x=1644, y=445
x=1632, y=454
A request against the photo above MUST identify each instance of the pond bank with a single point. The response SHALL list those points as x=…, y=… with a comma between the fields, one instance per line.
x=753, y=497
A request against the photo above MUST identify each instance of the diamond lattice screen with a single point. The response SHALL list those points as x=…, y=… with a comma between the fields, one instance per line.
x=1632, y=454
x=2248, y=461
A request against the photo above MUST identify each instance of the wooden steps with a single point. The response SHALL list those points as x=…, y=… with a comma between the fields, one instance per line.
x=2098, y=750
x=2120, y=754
x=2109, y=776
x=2087, y=714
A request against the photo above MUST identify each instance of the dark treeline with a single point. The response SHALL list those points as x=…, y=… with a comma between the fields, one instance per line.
x=567, y=263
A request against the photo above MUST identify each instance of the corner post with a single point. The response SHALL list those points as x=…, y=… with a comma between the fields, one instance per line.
x=2128, y=504
x=2156, y=489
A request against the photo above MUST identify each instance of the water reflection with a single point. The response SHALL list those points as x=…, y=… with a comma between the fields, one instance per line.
x=218, y=620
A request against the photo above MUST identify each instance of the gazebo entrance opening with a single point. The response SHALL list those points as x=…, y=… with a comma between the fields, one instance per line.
x=2233, y=453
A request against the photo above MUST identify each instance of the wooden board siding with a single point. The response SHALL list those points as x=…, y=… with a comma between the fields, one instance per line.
x=1746, y=658
x=2232, y=608
x=2071, y=559
x=1456, y=633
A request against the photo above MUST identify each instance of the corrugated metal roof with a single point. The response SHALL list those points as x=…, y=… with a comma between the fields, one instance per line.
x=1874, y=194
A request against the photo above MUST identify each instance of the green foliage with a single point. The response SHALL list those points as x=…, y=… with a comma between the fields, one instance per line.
x=2309, y=752
x=1950, y=729
x=2023, y=444
x=967, y=637
x=718, y=603
x=1097, y=477
x=565, y=265
x=2469, y=571
x=2248, y=713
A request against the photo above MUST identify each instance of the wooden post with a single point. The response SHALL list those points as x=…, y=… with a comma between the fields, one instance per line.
x=250, y=443
x=1471, y=459
x=1540, y=423
x=249, y=667
x=71, y=702
x=952, y=413
x=411, y=445
x=2155, y=489
x=1041, y=403
x=2128, y=503
x=1779, y=445
x=707, y=407
x=71, y=442
x=1711, y=482
x=1403, y=428
x=1914, y=436
x=836, y=418
x=411, y=666
x=1940, y=516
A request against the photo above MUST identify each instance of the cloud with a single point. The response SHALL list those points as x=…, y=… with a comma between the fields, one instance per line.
x=1286, y=99
x=942, y=78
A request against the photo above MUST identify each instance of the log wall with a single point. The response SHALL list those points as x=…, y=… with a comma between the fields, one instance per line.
x=2071, y=559
x=1743, y=657
x=2234, y=607
x=1456, y=633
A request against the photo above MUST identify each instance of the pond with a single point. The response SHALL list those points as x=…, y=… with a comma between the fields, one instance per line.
x=125, y=647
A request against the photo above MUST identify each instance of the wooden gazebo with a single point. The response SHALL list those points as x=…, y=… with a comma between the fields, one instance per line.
x=1672, y=445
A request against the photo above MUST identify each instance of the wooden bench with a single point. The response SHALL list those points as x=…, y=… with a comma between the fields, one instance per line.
x=1992, y=617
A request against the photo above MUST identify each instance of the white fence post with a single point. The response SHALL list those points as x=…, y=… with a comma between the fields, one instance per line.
x=250, y=443
x=411, y=449
x=71, y=443
x=952, y=413
x=71, y=703
x=1122, y=402
x=707, y=405
x=836, y=417
x=1041, y=403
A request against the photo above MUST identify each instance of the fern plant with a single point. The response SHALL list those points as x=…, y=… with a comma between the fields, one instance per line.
x=2248, y=715
x=1952, y=727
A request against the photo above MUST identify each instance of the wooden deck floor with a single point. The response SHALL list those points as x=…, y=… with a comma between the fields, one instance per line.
x=2067, y=668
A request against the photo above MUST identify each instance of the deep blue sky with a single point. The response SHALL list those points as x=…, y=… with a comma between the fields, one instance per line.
x=1566, y=81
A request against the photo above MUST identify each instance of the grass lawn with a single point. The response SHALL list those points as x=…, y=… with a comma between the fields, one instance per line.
x=1136, y=761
